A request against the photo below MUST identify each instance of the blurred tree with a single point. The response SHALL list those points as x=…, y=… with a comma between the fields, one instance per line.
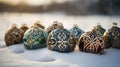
x=109, y=6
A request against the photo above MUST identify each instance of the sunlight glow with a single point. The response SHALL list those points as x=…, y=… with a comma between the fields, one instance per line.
x=37, y=2
x=33, y=2
x=44, y=2
x=12, y=2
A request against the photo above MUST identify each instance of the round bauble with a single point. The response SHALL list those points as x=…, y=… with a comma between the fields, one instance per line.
x=112, y=37
x=91, y=42
x=34, y=38
x=61, y=40
x=13, y=36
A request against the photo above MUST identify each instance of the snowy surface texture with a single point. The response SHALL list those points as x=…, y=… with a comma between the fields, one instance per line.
x=18, y=56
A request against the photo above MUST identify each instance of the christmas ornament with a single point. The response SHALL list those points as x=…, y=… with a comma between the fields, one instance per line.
x=34, y=38
x=61, y=40
x=77, y=32
x=55, y=25
x=13, y=36
x=112, y=37
x=92, y=42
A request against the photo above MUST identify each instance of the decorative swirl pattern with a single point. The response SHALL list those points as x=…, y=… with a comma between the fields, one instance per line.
x=91, y=42
x=35, y=38
x=115, y=37
x=61, y=40
x=112, y=37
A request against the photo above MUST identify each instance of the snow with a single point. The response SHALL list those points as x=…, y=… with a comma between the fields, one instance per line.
x=17, y=56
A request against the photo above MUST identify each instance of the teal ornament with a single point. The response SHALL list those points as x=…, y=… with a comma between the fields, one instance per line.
x=76, y=31
x=61, y=40
x=34, y=38
x=112, y=37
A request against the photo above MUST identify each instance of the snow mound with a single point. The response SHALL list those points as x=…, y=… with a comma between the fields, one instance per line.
x=17, y=49
x=46, y=59
x=39, y=55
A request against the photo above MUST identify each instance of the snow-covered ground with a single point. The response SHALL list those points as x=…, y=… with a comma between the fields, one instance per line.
x=18, y=56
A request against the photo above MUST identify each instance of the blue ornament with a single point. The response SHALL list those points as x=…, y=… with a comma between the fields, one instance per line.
x=34, y=38
x=77, y=32
x=112, y=37
x=61, y=40
x=91, y=42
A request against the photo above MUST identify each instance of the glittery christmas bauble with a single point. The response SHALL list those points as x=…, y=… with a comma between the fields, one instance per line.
x=13, y=36
x=54, y=26
x=91, y=42
x=35, y=38
x=112, y=37
x=76, y=31
x=61, y=40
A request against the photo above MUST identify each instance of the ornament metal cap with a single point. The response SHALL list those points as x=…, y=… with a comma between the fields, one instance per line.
x=75, y=25
x=98, y=25
x=55, y=23
x=60, y=25
x=114, y=24
x=37, y=23
x=14, y=25
x=24, y=25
